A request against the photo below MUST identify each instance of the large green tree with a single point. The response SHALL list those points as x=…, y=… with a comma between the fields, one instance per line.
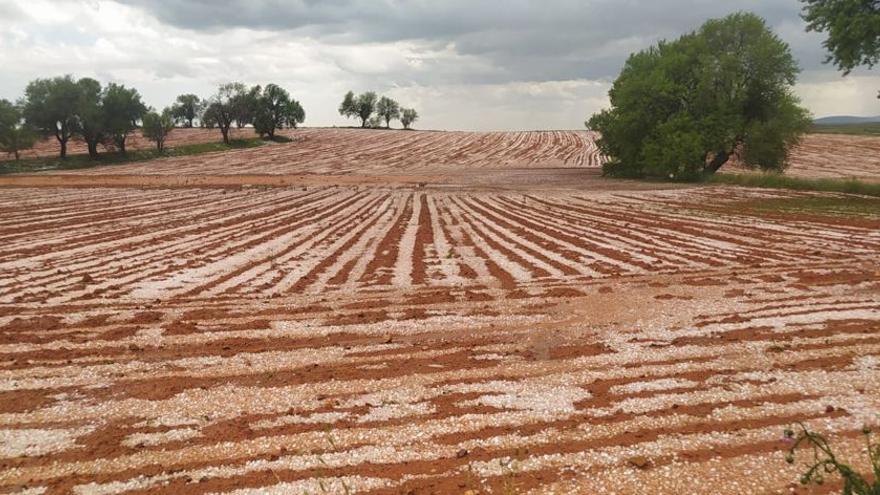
x=123, y=109
x=51, y=107
x=15, y=134
x=683, y=108
x=276, y=110
x=186, y=109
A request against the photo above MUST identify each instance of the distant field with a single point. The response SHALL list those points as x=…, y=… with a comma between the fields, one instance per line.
x=371, y=151
x=832, y=156
x=869, y=129
x=380, y=152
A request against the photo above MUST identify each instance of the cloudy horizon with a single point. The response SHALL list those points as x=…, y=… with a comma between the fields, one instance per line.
x=513, y=65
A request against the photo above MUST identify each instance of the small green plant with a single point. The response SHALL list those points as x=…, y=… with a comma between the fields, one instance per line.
x=825, y=462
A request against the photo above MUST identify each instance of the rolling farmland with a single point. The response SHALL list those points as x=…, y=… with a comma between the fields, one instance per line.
x=436, y=328
x=368, y=151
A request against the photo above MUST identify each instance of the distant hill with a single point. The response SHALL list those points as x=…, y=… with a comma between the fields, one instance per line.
x=846, y=120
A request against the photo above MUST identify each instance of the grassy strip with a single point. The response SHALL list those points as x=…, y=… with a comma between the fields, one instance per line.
x=778, y=181
x=847, y=206
x=868, y=129
x=80, y=161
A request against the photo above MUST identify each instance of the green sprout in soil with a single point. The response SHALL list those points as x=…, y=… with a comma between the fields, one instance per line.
x=825, y=462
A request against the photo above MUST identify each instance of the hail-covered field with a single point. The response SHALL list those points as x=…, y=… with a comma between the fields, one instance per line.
x=346, y=151
x=509, y=327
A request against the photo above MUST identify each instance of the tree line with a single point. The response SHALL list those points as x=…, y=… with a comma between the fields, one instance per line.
x=365, y=105
x=66, y=108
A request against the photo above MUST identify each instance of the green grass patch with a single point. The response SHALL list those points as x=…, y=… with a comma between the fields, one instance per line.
x=80, y=161
x=779, y=181
x=825, y=206
x=867, y=129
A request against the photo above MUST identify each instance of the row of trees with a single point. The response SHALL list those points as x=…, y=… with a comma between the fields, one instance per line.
x=365, y=105
x=65, y=108
x=267, y=109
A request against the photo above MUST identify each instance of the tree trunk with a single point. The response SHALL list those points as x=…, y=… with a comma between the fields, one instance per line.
x=93, y=149
x=63, y=147
x=363, y=123
x=122, y=143
x=225, y=131
x=271, y=134
x=17, y=154
x=717, y=162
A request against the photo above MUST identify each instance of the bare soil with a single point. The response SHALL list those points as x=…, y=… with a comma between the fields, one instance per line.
x=483, y=326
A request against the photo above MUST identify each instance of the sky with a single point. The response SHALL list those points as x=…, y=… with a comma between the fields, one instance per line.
x=463, y=64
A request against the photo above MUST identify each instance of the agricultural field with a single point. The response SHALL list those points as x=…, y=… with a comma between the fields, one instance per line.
x=381, y=152
x=429, y=312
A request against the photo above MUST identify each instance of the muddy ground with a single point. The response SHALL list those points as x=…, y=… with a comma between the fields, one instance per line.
x=496, y=328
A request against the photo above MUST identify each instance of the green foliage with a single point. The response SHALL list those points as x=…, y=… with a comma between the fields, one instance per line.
x=123, y=109
x=51, y=108
x=408, y=116
x=853, y=28
x=361, y=106
x=681, y=109
x=15, y=134
x=186, y=109
x=779, y=181
x=245, y=105
x=365, y=105
x=375, y=122
x=91, y=115
x=347, y=107
x=65, y=108
x=157, y=127
x=388, y=110
x=276, y=110
x=226, y=106
x=825, y=462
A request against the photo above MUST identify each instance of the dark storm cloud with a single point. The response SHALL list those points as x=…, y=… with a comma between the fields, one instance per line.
x=522, y=40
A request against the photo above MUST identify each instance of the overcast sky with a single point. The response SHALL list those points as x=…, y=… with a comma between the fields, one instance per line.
x=464, y=64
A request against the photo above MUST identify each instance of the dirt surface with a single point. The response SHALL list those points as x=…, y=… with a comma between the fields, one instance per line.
x=832, y=156
x=531, y=179
x=392, y=152
x=495, y=329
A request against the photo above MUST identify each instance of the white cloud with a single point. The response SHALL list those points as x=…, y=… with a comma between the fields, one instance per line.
x=851, y=95
x=458, y=76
